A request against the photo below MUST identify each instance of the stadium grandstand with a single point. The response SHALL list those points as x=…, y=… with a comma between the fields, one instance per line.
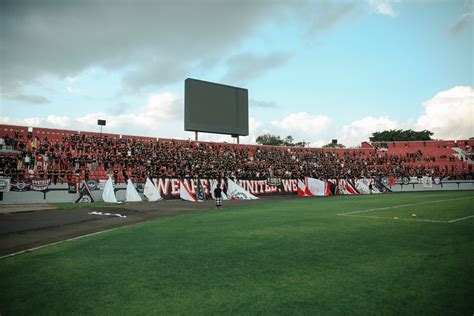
x=301, y=157
x=73, y=156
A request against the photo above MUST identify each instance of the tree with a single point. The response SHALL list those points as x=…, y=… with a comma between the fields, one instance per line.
x=302, y=144
x=274, y=140
x=332, y=145
x=400, y=135
x=269, y=139
x=288, y=141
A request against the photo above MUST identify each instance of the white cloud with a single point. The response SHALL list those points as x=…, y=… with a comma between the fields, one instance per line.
x=383, y=7
x=255, y=130
x=463, y=23
x=358, y=131
x=34, y=121
x=5, y=120
x=449, y=114
x=320, y=130
x=318, y=144
x=158, y=117
x=59, y=121
x=303, y=126
x=164, y=106
x=304, y=122
x=69, y=79
x=74, y=91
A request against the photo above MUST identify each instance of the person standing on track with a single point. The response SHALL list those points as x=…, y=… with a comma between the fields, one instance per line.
x=218, y=196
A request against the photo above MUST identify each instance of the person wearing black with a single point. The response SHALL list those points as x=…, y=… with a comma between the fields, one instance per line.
x=124, y=174
x=218, y=197
x=115, y=176
x=55, y=176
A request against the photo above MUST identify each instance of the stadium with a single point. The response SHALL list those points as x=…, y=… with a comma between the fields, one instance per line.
x=124, y=210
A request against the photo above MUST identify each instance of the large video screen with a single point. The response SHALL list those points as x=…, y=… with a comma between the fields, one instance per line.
x=215, y=108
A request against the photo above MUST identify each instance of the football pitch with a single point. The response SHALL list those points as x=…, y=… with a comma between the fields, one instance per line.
x=410, y=253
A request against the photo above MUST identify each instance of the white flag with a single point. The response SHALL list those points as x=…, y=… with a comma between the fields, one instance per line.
x=151, y=192
x=363, y=186
x=109, y=195
x=131, y=194
x=427, y=182
x=236, y=192
x=316, y=186
x=185, y=193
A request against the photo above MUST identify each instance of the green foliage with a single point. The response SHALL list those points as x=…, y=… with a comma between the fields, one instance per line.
x=401, y=135
x=275, y=257
x=288, y=141
x=302, y=144
x=270, y=140
x=332, y=145
x=275, y=140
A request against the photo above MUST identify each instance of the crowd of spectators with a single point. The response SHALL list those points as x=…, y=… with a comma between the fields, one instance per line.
x=84, y=156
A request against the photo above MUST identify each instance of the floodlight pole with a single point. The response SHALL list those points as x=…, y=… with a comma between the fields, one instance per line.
x=196, y=135
x=238, y=142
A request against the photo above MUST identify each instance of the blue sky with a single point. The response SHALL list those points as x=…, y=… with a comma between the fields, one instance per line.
x=314, y=70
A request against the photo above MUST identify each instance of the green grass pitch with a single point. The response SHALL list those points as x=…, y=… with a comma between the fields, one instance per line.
x=296, y=256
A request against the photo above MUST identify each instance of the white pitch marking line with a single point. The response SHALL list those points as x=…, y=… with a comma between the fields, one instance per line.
x=399, y=219
x=398, y=206
x=460, y=219
x=59, y=242
x=71, y=239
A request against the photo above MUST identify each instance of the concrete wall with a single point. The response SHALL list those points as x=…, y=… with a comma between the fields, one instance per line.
x=55, y=194
x=444, y=186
